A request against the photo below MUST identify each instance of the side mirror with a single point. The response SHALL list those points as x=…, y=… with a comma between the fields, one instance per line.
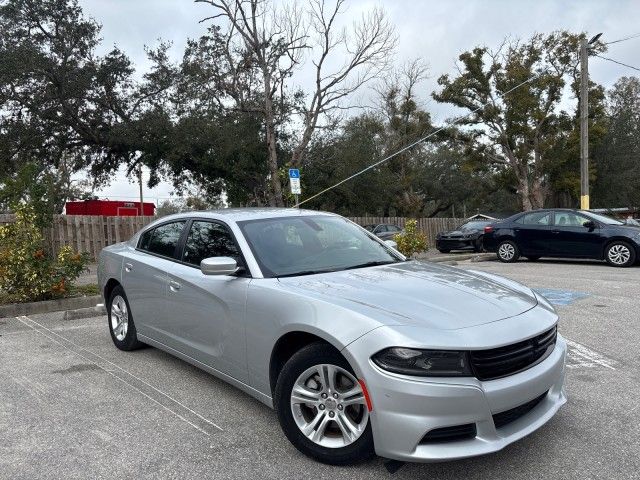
x=589, y=224
x=218, y=266
x=392, y=244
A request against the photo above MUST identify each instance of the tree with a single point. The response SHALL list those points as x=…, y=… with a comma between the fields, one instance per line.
x=426, y=180
x=617, y=157
x=267, y=43
x=60, y=100
x=517, y=129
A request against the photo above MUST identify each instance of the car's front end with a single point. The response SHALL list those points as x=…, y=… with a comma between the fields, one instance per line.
x=421, y=418
x=456, y=240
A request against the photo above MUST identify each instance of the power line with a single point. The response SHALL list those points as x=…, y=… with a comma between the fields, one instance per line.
x=623, y=39
x=619, y=63
x=374, y=165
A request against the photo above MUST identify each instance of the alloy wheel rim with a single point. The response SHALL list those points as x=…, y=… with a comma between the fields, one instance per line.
x=507, y=251
x=619, y=254
x=119, y=318
x=328, y=406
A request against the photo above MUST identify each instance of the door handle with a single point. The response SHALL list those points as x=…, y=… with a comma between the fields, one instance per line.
x=555, y=231
x=174, y=286
x=128, y=267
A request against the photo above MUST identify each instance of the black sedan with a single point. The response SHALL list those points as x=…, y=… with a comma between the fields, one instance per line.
x=467, y=236
x=563, y=233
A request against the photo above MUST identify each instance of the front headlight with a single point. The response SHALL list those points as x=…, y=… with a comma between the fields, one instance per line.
x=424, y=363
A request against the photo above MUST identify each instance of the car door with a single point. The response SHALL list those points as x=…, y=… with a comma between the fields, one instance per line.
x=144, y=276
x=206, y=313
x=572, y=239
x=532, y=232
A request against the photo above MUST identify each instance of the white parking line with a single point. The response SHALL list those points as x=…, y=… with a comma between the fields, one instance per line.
x=583, y=357
x=25, y=319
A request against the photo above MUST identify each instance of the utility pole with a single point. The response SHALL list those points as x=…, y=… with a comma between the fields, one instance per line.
x=584, y=125
x=140, y=183
x=584, y=120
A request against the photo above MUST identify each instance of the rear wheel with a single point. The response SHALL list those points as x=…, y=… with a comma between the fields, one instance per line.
x=121, y=326
x=508, y=251
x=322, y=408
x=620, y=254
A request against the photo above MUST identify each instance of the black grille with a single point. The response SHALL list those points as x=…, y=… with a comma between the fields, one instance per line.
x=503, y=361
x=450, y=434
x=504, y=418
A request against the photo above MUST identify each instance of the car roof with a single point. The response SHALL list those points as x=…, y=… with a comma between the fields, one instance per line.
x=241, y=214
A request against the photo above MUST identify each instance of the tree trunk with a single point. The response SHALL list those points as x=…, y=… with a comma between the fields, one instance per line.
x=275, y=192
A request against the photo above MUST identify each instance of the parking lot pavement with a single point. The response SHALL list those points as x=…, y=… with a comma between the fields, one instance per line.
x=72, y=406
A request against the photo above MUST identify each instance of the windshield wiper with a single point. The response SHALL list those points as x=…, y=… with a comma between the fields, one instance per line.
x=372, y=264
x=304, y=272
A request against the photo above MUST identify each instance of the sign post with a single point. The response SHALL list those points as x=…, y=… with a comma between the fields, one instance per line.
x=294, y=182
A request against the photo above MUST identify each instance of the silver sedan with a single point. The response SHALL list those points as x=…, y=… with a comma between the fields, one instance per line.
x=359, y=350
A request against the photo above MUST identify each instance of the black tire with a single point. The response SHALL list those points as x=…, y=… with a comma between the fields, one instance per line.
x=310, y=356
x=130, y=340
x=443, y=250
x=478, y=247
x=620, y=254
x=508, y=251
x=533, y=258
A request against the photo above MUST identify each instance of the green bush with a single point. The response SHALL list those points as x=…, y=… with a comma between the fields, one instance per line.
x=411, y=241
x=27, y=273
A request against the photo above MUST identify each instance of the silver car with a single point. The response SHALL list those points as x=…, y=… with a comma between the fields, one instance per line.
x=358, y=349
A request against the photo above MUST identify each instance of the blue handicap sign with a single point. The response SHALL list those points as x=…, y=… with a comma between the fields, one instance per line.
x=294, y=173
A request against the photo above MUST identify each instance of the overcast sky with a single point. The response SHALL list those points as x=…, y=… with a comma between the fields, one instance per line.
x=436, y=31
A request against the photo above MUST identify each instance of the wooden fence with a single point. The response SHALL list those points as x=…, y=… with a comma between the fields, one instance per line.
x=429, y=226
x=86, y=233
x=91, y=234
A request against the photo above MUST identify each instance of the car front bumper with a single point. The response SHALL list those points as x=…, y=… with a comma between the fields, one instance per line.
x=405, y=409
x=455, y=244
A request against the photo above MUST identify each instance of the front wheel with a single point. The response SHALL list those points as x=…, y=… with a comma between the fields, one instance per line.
x=620, y=254
x=322, y=408
x=508, y=251
x=478, y=246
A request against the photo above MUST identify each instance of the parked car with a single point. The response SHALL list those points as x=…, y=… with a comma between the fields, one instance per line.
x=386, y=231
x=358, y=349
x=467, y=236
x=563, y=233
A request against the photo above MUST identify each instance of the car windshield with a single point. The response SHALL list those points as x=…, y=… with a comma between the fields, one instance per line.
x=465, y=227
x=304, y=245
x=603, y=218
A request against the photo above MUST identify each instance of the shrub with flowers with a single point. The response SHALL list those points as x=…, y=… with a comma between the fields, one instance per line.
x=27, y=272
x=411, y=241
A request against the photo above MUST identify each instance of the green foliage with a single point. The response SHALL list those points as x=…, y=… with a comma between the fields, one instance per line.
x=616, y=157
x=521, y=130
x=27, y=273
x=411, y=240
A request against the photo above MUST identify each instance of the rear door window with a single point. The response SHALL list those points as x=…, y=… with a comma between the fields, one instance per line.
x=540, y=219
x=162, y=240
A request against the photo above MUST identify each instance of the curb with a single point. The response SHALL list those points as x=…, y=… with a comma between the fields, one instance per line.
x=478, y=257
x=47, y=306
x=87, y=312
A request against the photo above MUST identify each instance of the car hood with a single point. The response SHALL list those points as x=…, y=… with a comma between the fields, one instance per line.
x=456, y=233
x=419, y=294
